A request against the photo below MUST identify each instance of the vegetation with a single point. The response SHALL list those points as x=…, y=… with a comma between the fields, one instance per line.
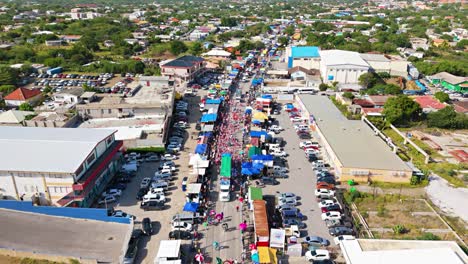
x=447, y=118
x=401, y=109
x=26, y=107
x=399, y=229
x=442, y=97
x=348, y=95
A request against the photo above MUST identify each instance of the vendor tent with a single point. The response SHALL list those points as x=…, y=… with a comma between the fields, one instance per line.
x=206, y=118
x=277, y=238
x=267, y=255
x=208, y=128
x=258, y=133
x=191, y=207
x=225, y=165
x=259, y=116
x=213, y=101
x=196, y=160
x=194, y=188
x=254, y=151
x=201, y=148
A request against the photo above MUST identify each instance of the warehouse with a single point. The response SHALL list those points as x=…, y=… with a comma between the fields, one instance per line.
x=351, y=145
x=60, y=166
x=343, y=67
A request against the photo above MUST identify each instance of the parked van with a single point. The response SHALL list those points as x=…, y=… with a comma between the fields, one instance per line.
x=191, y=218
x=152, y=205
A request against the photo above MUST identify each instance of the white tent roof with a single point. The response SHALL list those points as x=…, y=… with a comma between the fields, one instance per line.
x=194, y=188
x=197, y=161
x=218, y=53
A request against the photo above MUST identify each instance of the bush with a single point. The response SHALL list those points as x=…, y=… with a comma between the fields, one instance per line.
x=415, y=180
x=148, y=149
x=381, y=211
x=350, y=197
x=399, y=229
x=428, y=236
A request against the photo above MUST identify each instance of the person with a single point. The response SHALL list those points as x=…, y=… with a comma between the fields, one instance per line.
x=216, y=245
x=237, y=208
x=225, y=226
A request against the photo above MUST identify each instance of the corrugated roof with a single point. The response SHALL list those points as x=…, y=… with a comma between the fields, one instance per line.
x=184, y=61
x=305, y=52
x=261, y=219
x=428, y=101
x=22, y=94
x=450, y=78
x=54, y=150
x=353, y=142
x=14, y=116
x=342, y=57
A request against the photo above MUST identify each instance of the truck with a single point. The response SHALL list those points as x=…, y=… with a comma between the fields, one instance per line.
x=169, y=252
x=225, y=188
x=54, y=70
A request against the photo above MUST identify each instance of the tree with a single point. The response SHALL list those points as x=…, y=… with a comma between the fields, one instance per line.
x=8, y=75
x=447, y=118
x=367, y=80
x=442, y=97
x=228, y=22
x=348, y=95
x=196, y=48
x=284, y=41
x=384, y=75
x=26, y=107
x=7, y=88
x=177, y=47
x=401, y=109
x=323, y=87
x=400, y=229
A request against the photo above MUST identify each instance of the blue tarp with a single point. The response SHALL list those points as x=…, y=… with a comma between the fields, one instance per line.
x=249, y=169
x=258, y=133
x=267, y=96
x=289, y=106
x=208, y=118
x=213, y=101
x=256, y=122
x=262, y=157
x=206, y=134
x=248, y=111
x=201, y=149
x=191, y=207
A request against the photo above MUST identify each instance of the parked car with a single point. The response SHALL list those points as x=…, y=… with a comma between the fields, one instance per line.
x=152, y=205
x=340, y=230
x=285, y=207
x=316, y=240
x=317, y=254
x=325, y=203
x=152, y=158
x=180, y=234
x=335, y=222
x=331, y=215
x=286, y=195
x=324, y=192
x=112, y=192
x=154, y=197
x=147, y=226
x=338, y=239
x=120, y=213
x=289, y=201
x=132, y=248
x=290, y=222
x=269, y=180
x=145, y=183
x=167, y=157
x=107, y=199
x=333, y=207
x=141, y=192
x=324, y=185
x=119, y=186
x=181, y=226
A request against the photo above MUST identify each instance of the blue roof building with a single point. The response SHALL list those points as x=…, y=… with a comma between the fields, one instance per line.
x=303, y=56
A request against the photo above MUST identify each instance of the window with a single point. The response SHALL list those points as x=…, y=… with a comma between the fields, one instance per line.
x=91, y=158
x=79, y=170
x=109, y=111
x=109, y=140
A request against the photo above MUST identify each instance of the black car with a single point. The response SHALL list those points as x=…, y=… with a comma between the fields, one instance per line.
x=334, y=207
x=152, y=205
x=142, y=192
x=147, y=226
x=124, y=179
x=329, y=180
x=133, y=246
x=340, y=230
x=180, y=234
x=119, y=186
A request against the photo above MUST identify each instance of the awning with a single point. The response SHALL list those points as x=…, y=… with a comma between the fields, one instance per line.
x=259, y=116
x=196, y=160
x=194, y=188
x=207, y=128
x=213, y=101
x=267, y=255
x=254, y=151
x=258, y=134
x=201, y=148
x=262, y=157
x=191, y=207
x=208, y=118
x=225, y=170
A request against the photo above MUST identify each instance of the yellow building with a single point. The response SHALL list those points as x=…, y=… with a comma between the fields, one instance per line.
x=351, y=145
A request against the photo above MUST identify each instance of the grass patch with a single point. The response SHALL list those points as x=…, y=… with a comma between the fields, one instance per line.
x=391, y=185
x=16, y=260
x=148, y=149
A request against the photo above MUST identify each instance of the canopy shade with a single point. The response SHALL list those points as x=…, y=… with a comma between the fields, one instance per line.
x=191, y=207
x=254, y=151
x=208, y=118
x=213, y=101
x=259, y=116
x=225, y=165
x=201, y=148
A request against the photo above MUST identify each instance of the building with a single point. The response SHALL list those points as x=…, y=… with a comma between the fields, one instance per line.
x=23, y=95
x=450, y=82
x=61, y=166
x=343, y=67
x=429, y=104
x=417, y=43
x=185, y=68
x=218, y=54
x=14, y=117
x=307, y=57
x=311, y=78
x=58, y=234
x=386, y=251
x=393, y=65
x=356, y=152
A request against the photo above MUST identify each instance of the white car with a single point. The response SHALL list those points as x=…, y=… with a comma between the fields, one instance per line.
x=113, y=192
x=288, y=201
x=181, y=226
x=304, y=144
x=278, y=153
x=317, y=255
x=154, y=197
x=338, y=239
x=145, y=183
x=152, y=158
x=296, y=119
x=168, y=167
x=108, y=199
x=168, y=157
x=173, y=147
x=320, y=192
x=165, y=171
x=280, y=169
x=326, y=203
x=331, y=215
x=311, y=151
x=276, y=128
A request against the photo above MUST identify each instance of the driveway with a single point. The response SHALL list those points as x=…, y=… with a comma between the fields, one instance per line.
x=448, y=199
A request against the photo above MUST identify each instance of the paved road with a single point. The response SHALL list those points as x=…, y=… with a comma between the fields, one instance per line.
x=301, y=181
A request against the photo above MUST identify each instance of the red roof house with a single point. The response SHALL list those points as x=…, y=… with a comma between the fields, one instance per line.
x=429, y=103
x=22, y=95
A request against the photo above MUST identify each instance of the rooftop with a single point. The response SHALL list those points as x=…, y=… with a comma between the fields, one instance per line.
x=374, y=57
x=342, y=57
x=384, y=251
x=22, y=94
x=63, y=236
x=53, y=150
x=450, y=78
x=14, y=116
x=305, y=52
x=428, y=101
x=353, y=141
x=186, y=61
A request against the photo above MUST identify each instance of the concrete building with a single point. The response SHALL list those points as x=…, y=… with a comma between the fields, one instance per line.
x=351, y=145
x=23, y=95
x=307, y=57
x=61, y=166
x=185, y=68
x=14, y=117
x=386, y=251
x=450, y=82
x=343, y=67
x=393, y=65
x=87, y=235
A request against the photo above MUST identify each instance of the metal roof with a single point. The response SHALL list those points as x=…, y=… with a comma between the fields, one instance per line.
x=54, y=150
x=184, y=61
x=305, y=52
x=342, y=57
x=353, y=142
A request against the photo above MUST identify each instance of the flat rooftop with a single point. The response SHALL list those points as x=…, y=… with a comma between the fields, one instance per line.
x=43, y=234
x=385, y=251
x=354, y=143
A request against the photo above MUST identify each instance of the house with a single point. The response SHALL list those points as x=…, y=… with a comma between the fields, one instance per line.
x=429, y=103
x=184, y=68
x=417, y=43
x=23, y=95
x=343, y=67
x=450, y=82
x=310, y=77
x=439, y=42
x=14, y=117
x=461, y=106
x=54, y=43
x=379, y=100
x=307, y=57
x=71, y=38
x=378, y=62
x=217, y=53
x=73, y=168
x=69, y=96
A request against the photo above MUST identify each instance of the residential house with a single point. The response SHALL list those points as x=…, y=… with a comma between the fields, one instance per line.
x=71, y=38
x=54, y=43
x=450, y=82
x=307, y=57
x=417, y=43
x=429, y=103
x=69, y=96
x=461, y=106
x=311, y=77
x=184, y=68
x=23, y=95
x=439, y=42
x=14, y=117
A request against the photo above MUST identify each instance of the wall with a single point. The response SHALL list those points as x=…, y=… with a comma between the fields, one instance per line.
x=376, y=175
x=7, y=188
x=308, y=63
x=32, y=255
x=48, y=123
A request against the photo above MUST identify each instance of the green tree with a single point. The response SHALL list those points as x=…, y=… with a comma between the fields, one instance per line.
x=368, y=80
x=228, y=22
x=8, y=75
x=323, y=87
x=7, y=88
x=196, y=48
x=442, y=97
x=177, y=47
x=447, y=118
x=26, y=107
x=348, y=95
x=401, y=109
x=284, y=41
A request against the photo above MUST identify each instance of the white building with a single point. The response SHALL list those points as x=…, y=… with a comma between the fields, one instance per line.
x=343, y=67
x=59, y=165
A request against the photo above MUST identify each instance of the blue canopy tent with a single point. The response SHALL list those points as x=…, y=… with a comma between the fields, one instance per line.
x=191, y=207
x=213, y=101
x=201, y=149
x=258, y=133
x=248, y=111
x=256, y=122
x=262, y=157
x=267, y=96
x=289, y=106
x=206, y=118
x=250, y=169
x=206, y=134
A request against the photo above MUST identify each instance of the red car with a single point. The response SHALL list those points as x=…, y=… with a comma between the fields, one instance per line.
x=310, y=147
x=331, y=208
x=325, y=185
